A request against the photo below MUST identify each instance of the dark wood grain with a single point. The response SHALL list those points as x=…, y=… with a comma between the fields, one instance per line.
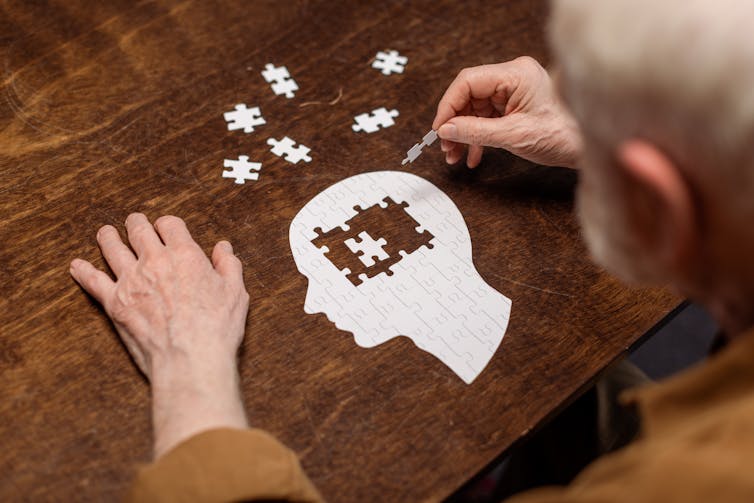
x=114, y=107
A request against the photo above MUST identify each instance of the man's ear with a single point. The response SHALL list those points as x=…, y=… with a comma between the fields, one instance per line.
x=664, y=207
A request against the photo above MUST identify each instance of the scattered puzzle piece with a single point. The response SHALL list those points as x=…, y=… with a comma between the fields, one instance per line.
x=390, y=62
x=285, y=147
x=281, y=80
x=369, y=248
x=380, y=117
x=244, y=118
x=241, y=169
x=416, y=150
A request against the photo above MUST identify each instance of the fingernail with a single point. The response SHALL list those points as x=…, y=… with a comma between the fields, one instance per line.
x=228, y=247
x=448, y=132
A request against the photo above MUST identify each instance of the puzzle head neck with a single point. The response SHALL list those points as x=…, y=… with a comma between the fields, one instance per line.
x=431, y=293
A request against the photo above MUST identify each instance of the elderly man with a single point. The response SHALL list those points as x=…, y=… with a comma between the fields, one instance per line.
x=658, y=114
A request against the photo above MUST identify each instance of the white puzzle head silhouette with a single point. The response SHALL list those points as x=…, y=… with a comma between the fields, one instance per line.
x=372, y=277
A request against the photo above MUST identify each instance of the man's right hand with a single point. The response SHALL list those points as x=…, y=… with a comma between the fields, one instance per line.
x=512, y=105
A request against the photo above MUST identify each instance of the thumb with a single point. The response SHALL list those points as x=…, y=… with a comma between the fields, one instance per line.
x=473, y=130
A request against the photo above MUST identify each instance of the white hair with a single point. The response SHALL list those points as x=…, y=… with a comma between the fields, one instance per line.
x=679, y=73
x=676, y=73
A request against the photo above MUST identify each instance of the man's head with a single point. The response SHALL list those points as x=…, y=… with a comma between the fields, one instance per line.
x=663, y=92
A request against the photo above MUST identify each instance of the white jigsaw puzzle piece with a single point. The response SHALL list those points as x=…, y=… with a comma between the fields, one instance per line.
x=369, y=248
x=285, y=147
x=280, y=80
x=286, y=87
x=241, y=169
x=390, y=62
x=272, y=73
x=434, y=296
x=416, y=150
x=380, y=117
x=244, y=118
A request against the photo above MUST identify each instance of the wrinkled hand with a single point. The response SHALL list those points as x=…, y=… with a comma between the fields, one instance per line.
x=169, y=302
x=512, y=105
x=181, y=317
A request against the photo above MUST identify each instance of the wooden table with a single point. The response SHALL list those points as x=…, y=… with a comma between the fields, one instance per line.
x=114, y=107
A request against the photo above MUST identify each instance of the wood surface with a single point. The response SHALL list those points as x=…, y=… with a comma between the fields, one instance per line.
x=113, y=107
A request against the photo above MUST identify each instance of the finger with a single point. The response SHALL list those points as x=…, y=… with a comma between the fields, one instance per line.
x=449, y=153
x=475, y=156
x=173, y=231
x=456, y=154
x=459, y=152
x=226, y=263
x=95, y=282
x=446, y=145
x=141, y=234
x=479, y=82
x=476, y=131
x=118, y=256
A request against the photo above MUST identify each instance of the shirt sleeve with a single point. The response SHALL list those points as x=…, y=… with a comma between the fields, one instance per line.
x=224, y=465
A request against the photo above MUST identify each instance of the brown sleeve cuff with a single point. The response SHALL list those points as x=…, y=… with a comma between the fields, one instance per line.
x=224, y=465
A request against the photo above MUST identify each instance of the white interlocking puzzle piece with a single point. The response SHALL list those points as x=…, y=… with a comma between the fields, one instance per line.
x=380, y=117
x=244, y=118
x=434, y=296
x=272, y=73
x=281, y=80
x=369, y=248
x=241, y=169
x=390, y=62
x=285, y=148
x=416, y=150
x=286, y=87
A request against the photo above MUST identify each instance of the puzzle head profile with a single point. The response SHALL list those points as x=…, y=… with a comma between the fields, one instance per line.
x=388, y=254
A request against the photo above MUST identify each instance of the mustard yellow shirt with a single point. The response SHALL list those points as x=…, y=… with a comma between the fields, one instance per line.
x=696, y=445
